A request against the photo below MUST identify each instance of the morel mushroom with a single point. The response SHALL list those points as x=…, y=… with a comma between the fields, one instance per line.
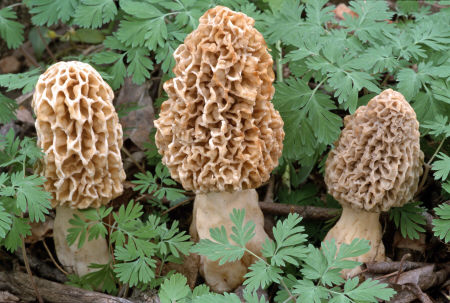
x=218, y=132
x=79, y=132
x=375, y=165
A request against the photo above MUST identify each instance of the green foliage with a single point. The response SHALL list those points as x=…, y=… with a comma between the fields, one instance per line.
x=24, y=81
x=349, y=58
x=11, y=31
x=138, y=244
x=409, y=219
x=20, y=193
x=318, y=279
x=441, y=225
x=8, y=109
x=158, y=184
x=334, y=67
x=94, y=13
x=441, y=167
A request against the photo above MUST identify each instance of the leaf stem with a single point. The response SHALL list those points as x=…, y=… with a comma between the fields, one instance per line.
x=428, y=166
x=30, y=274
x=53, y=259
x=278, y=62
x=436, y=152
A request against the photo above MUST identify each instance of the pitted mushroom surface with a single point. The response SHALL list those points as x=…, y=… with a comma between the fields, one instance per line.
x=377, y=161
x=218, y=130
x=375, y=165
x=79, y=131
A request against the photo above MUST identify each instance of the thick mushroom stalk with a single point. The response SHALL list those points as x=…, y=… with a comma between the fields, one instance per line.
x=79, y=132
x=212, y=210
x=218, y=132
x=375, y=165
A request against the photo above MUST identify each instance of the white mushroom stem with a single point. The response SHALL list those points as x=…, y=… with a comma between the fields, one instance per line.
x=357, y=223
x=76, y=259
x=213, y=210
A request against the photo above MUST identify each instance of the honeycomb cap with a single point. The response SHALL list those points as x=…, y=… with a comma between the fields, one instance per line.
x=218, y=131
x=79, y=131
x=377, y=161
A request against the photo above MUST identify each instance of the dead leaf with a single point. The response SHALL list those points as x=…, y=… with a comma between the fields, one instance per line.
x=9, y=64
x=415, y=276
x=415, y=247
x=6, y=297
x=341, y=9
x=41, y=230
x=137, y=123
x=189, y=268
x=24, y=115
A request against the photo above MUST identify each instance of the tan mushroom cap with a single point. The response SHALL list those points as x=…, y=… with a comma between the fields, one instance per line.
x=218, y=130
x=79, y=131
x=377, y=161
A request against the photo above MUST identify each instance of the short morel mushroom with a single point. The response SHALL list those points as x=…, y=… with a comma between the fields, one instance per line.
x=375, y=165
x=218, y=132
x=79, y=132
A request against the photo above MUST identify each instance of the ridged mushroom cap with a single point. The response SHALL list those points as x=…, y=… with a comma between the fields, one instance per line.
x=218, y=131
x=79, y=131
x=377, y=161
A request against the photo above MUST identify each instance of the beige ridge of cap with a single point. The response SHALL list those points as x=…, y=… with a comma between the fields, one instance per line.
x=79, y=131
x=377, y=161
x=218, y=131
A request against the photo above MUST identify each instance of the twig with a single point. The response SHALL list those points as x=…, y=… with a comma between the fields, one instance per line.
x=385, y=80
x=53, y=259
x=405, y=256
x=52, y=292
x=307, y=212
x=92, y=49
x=29, y=57
x=49, y=51
x=279, y=63
x=427, y=168
x=269, y=193
x=138, y=165
x=178, y=205
x=387, y=267
x=25, y=97
x=30, y=274
x=15, y=4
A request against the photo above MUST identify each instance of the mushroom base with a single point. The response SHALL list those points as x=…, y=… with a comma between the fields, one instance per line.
x=359, y=224
x=76, y=259
x=213, y=210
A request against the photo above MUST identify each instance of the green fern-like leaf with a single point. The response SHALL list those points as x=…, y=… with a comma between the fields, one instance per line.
x=409, y=219
x=10, y=30
x=94, y=13
x=441, y=225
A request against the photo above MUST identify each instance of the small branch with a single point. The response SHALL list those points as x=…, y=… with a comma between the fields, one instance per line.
x=385, y=80
x=29, y=57
x=178, y=205
x=406, y=256
x=138, y=165
x=52, y=292
x=278, y=62
x=269, y=193
x=30, y=274
x=307, y=212
x=427, y=168
x=388, y=267
x=15, y=4
x=46, y=45
x=53, y=259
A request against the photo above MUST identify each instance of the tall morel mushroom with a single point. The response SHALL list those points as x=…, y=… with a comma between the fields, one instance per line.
x=79, y=132
x=218, y=132
x=375, y=165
